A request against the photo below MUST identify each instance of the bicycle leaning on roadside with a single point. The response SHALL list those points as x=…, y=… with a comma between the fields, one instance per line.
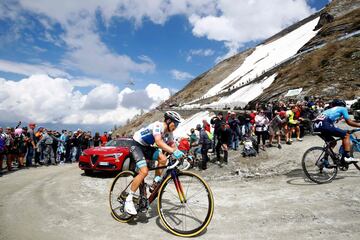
x=321, y=164
x=185, y=202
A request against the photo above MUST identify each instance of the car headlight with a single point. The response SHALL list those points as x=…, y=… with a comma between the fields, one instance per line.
x=115, y=155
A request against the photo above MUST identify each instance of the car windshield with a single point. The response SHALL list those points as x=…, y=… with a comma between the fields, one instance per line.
x=116, y=143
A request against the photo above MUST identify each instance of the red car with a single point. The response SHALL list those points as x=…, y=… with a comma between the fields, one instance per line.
x=114, y=156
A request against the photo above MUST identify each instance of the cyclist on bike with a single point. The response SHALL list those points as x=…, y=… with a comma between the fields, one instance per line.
x=324, y=124
x=143, y=147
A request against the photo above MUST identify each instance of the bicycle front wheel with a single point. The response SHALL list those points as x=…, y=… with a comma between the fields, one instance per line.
x=119, y=190
x=186, y=204
x=319, y=166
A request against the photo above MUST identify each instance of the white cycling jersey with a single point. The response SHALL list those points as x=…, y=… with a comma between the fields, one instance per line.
x=146, y=136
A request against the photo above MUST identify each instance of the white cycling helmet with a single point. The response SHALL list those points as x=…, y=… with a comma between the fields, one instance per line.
x=174, y=116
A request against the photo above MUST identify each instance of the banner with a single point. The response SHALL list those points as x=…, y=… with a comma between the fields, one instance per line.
x=293, y=92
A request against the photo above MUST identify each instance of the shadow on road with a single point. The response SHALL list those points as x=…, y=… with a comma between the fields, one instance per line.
x=101, y=174
x=143, y=218
x=300, y=182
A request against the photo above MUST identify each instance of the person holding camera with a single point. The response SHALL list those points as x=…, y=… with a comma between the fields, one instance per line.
x=261, y=128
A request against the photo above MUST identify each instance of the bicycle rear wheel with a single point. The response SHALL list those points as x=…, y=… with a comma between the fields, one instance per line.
x=319, y=166
x=118, y=192
x=190, y=215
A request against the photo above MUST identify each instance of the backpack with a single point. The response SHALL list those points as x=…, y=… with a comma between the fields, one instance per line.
x=210, y=135
x=248, y=149
x=184, y=145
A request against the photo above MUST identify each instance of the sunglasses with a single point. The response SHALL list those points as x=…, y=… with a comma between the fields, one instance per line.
x=176, y=124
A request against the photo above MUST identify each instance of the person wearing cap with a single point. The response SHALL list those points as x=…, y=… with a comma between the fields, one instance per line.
x=223, y=143
x=205, y=143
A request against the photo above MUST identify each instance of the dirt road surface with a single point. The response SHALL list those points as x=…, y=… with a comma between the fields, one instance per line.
x=59, y=202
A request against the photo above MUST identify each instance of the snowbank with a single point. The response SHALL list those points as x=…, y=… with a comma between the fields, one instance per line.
x=266, y=57
x=244, y=95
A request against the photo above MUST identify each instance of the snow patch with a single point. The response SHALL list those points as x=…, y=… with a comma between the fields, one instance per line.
x=244, y=95
x=184, y=128
x=266, y=57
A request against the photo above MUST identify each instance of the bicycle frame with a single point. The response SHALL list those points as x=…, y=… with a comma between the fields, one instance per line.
x=328, y=147
x=174, y=176
x=353, y=140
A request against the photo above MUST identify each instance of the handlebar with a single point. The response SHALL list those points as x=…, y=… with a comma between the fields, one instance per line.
x=180, y=161
x=173, y=165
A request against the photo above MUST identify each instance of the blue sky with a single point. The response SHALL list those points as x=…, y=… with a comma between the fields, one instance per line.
x=108, y=51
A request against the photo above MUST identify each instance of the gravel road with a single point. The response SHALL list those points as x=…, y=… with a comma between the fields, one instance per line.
x=59, y=202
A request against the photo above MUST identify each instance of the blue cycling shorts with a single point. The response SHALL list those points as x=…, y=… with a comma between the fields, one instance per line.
x=327, y=128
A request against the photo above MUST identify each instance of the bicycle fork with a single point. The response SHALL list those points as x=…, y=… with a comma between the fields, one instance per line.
x=179, y=187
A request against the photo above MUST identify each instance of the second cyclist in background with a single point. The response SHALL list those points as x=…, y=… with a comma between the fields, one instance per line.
x=324, y=124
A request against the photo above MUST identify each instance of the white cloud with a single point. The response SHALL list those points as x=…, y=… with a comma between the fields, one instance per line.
x=157, y=94
x=30, y=69
x=248, y=20
x=45, y=99
x=179, y=75
x=199, y=52
x=104, y=96
x=148, y=98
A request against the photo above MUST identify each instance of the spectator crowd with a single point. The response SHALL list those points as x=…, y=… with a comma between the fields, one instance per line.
x=37, y=146
x=271, y=124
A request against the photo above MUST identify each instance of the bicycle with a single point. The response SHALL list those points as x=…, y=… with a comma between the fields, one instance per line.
x=321, y=164
x=185, y=202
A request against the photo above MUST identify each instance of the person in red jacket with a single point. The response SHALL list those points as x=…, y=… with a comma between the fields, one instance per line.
x=104, y=139
x=252, y=116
